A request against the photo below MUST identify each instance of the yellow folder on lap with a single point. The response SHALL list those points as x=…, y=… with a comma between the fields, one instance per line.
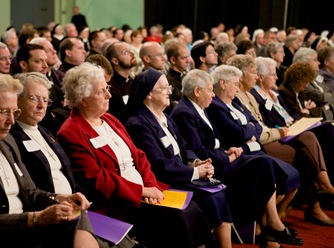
x=176, y=198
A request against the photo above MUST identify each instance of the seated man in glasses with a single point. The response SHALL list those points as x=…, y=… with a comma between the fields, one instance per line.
x=153, y=55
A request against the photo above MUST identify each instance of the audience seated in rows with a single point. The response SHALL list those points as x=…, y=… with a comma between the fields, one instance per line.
x=95, y=141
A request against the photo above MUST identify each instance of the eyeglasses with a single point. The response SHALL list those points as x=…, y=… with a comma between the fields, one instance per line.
x=39, y=99
x=104, y=91
x=166, y=89
x=6, y=58
x=237, y=84
x=5, y=113
x=158, y=55
x=272, y=74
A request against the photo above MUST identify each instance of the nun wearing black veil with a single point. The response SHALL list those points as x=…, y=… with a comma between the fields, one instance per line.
x=171, y=161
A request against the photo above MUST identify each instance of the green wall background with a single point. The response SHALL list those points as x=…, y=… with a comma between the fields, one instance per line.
x=4, y=15
x=99, y=13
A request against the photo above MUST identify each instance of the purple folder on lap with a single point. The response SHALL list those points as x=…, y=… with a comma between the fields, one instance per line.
x=108, y=228
x=288, y=138
x=208, y=189
x=189, y=196
x=188, y=199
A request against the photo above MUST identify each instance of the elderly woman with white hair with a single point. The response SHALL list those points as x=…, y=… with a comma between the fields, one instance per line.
x=275, y=51
x=32, y=217
x=317, y=90
x=115, y=172
x=150, y=127
x=306, y=154
x=255, y=179
x=46, y=161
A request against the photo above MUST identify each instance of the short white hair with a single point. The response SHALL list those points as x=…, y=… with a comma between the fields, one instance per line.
x=78, y=82
x=303, y=55
x=195, y=78
x=226, y=73
x=263, y=64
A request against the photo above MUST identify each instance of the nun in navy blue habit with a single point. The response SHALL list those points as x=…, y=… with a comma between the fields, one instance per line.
x=253, y=181
x=172, y=162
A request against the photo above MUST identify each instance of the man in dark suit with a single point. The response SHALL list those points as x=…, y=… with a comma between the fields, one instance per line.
x=79, y=20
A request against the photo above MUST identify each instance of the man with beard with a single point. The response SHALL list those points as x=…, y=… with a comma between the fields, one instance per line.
x=122, y=60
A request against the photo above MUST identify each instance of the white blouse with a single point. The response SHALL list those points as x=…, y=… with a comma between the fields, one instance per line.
x=122, y=152
x=37, y=142
x=10, y=185
x=205, y=118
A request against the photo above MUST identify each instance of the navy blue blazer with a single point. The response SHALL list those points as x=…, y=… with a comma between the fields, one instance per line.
x=147, y=133
x=199, y=136
x=231, y=132
x=271, y=117
x=36, y=162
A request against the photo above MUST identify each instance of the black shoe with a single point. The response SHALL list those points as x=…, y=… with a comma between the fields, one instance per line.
x=292, y=231
x=281, y=236
x=311, y=218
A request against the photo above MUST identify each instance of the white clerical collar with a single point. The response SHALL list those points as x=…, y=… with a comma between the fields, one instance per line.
x=161, y=119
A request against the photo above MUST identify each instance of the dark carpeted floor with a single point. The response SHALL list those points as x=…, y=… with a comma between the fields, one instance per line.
x=315, y=236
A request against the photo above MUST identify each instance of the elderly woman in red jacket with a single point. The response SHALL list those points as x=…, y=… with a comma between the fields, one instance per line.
x=115, y=172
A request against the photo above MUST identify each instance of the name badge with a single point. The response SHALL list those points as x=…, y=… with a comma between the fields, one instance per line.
x=98, y=141
x=166, y=141
x=235, y=117
x=125, y=99
x=269, y=105
x=31, y=145
x=319, y=79
x=254, y=146
x=18, y=170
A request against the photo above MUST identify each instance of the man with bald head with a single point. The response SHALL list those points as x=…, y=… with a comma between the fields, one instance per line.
x=153, y=55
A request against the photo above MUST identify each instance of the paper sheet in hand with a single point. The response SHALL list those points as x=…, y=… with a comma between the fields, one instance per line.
x=301, y=126
x=176, y=198
x=108, y=228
